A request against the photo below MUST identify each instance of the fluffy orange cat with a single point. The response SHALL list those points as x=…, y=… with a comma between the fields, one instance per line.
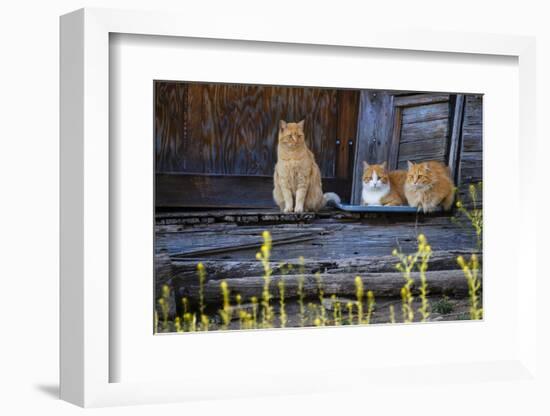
x=382, y=187
x=297, y=178
x=429, y=185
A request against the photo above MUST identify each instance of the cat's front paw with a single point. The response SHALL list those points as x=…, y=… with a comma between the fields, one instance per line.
x=299, y=210
x=286, y=210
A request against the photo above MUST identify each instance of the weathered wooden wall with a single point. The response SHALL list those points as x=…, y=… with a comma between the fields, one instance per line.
x=424, y=133
x=374, y=134
x=216, y=143
x=171, y=126
x=471, y=167
x=397, y=127
x=220, y=140
x=232, y=129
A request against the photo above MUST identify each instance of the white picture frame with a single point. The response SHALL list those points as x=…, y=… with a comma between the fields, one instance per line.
x=86, y=263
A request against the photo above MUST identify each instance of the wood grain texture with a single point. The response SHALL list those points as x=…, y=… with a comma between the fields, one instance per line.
x=335, y=240
x=420, y=99
x=448, y=282
x=339, y=250
x=348, y=108
x=232, y=129
x=393, y=153
x=471, y=157
x=421, y=129
x=186, y=269
x=455, y=136
x=420, y=151
x=170, y=126
x=428, y=112
x=375, y=125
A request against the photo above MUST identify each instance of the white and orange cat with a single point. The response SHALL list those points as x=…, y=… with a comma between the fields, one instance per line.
x=297, y=178
x=429, y=185
x=381, y=186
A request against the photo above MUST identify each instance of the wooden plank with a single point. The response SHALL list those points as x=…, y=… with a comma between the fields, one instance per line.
x=374, y=134
x=455, y=138
x=276, y=241
x=421, y=151
x=429, y=112
x=471, y=160
x=393, y=156
x=228, y=191
x=420, y=99
x=426, y=130
x=159, y=216
x=348, y=109
x=471, y=167
x=471, y=143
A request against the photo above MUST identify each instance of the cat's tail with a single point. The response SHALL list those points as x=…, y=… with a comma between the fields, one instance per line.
x=332, y=199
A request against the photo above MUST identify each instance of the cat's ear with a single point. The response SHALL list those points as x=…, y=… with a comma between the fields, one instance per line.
x=282, y=125
x=365, y=165
x=384, y=165
x=410, y=164
x=301, y=124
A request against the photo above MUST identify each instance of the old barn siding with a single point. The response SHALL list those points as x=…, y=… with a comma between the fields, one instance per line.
x=232, y=129
x=471, y=169
x=471, y=156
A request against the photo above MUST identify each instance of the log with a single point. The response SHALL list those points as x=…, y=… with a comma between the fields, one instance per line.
x=448, y=282
x=163, y=268
x=186, y=271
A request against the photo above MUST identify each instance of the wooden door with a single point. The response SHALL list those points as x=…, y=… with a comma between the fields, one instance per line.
x=216, y=143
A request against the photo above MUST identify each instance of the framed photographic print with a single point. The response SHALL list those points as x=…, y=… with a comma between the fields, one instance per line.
x=346, y=215
x=281, y=210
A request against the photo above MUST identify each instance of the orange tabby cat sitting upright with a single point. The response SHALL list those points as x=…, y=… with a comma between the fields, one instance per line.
x=297, y=178
x=429, y=185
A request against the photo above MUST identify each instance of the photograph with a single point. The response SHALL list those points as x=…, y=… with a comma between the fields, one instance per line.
x=293, y=206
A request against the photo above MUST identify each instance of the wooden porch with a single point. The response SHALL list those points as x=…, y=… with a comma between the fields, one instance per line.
x=336, y=246
x=215, y=152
